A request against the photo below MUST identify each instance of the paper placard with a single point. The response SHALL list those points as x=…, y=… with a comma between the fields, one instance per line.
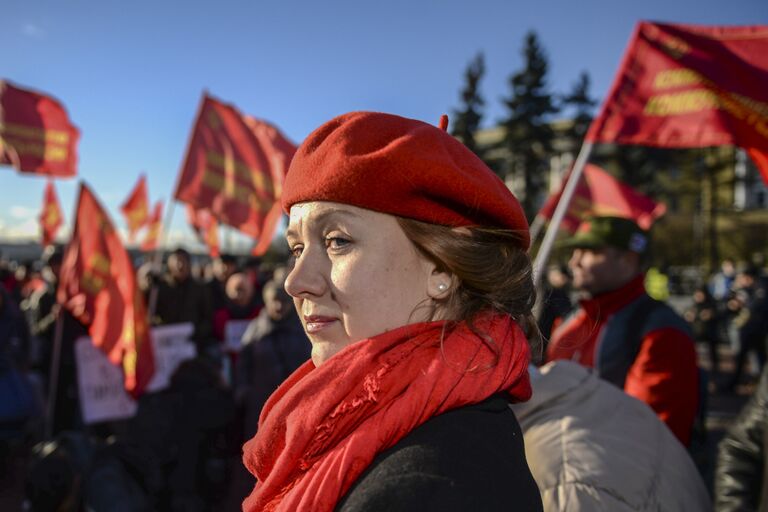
x=233, y=334
x=172, y=347
x=102, y=395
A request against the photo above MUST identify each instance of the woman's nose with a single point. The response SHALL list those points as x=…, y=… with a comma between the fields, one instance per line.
x=307, y=276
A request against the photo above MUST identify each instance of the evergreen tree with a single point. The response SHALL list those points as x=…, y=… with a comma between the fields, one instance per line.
x=466, y=120
x=528, y=135
x=581, y=104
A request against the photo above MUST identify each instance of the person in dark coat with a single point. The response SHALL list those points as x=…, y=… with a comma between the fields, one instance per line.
x=741, y=477
x=274, y=345
x=176, y=444
x=44, y=312
x=180, y=298
x=223, y=267
x=704, y=323
x=751, y=298
x=412, y=281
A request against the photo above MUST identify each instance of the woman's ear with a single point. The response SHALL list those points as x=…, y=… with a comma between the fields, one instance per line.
x=439, y=285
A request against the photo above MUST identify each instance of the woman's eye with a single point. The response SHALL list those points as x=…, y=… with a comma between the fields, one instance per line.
x=296, y=250
x=336, y=242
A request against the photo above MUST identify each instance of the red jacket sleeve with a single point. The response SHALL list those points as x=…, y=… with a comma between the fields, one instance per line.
x=665, y=376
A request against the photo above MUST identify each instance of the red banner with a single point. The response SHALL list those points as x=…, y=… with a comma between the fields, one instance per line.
x=206, y=227
x=154, y=226
x=98, y=286
x=136, y=207
x=683, y=86
x=599, y=193
x=51, y=217
x=235, y=167
x=36, y=135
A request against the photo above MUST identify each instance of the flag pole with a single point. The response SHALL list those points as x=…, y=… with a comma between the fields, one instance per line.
x=53, y=384
x=535, y=229
x=562, y=207
x=157, y=257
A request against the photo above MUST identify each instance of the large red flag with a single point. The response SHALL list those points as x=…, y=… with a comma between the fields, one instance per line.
x=36, y=135
x=683, y=86
x=154, y=225
x=206, y=227
x=599, y=193
x=51, y=217
x=235, y=167
x=136, y=207
x=98, y=286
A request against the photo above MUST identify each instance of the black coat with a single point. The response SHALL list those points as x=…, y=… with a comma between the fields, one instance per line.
x=470, y=458
x=741, y=480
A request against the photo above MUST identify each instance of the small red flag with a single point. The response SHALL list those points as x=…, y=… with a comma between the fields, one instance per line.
x=98, y=286
x=685, y=86
x=136, y=207
x=599, y=193
x=206, y=227
x=51, y=217
x=36, y=135
x=154, y=226
x=235, y=167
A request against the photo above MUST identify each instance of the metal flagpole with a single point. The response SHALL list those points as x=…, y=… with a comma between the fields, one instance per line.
x=53, y=384
x=562, y=207
x=535, y=229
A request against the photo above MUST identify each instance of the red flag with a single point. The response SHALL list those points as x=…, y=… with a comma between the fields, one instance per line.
x=683, y=86
x=36, y=135
x=136, y=207
x=98, y=286
x=154, y=225
x=599, y=193
x=51, y=217
x=235, y=167
x=206, y=228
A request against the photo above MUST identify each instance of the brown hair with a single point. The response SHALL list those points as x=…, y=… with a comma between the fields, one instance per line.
x=490, y=271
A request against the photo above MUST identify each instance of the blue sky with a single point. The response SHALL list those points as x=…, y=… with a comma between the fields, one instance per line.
x=131, y=73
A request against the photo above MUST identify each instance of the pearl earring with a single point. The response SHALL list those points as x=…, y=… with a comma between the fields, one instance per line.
x=442, y=287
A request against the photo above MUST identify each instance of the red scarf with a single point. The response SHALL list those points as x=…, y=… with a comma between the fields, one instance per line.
x=323, y=426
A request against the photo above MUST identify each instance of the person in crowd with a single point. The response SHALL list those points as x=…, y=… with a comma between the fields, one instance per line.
x=702, y=316
x=721, y=283
x=635, y=342
x=557, y=303
x=741, y=477
x=592, y=447
x=240, y=304
x=413, y=283
x=180, y=298
x=178, y=445
x=750, y=305
x=222, y=267
x=44, y=313
x=274, y=345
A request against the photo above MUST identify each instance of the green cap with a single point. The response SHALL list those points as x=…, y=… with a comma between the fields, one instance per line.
x=598, y=232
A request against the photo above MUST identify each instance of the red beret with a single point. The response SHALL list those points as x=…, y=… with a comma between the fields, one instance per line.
x=402, y=167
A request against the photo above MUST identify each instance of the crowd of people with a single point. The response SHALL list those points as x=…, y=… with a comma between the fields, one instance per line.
x=182, y=449
x=395, y=361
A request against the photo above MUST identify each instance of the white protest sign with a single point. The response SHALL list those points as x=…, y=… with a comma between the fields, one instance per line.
x=233, y=334
x=172, y=347
x=102, y=395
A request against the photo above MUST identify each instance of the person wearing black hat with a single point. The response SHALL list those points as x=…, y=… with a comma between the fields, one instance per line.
x=637, y=343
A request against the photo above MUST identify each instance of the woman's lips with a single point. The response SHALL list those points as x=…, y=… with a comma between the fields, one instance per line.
x=316, y=323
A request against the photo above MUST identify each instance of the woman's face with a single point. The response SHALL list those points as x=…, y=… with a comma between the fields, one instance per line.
x=356, y=275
